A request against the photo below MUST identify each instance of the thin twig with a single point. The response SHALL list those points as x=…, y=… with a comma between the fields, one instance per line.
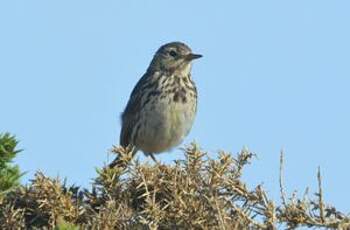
x=221, y=219
x=283, y=195
x=320, y=195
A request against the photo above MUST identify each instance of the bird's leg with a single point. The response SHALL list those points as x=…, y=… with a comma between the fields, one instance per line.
x=153, y=158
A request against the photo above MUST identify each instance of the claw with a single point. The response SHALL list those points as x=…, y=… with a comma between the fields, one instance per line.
x=153, y=158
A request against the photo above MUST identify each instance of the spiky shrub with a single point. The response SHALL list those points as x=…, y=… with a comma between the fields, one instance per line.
x=195, y=193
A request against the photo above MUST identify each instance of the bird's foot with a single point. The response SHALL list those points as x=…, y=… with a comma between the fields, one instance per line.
x=153, y=158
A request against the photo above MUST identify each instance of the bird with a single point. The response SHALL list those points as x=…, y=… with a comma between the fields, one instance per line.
x=163, y=104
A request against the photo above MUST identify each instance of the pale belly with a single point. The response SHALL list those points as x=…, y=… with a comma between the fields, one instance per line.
x=167, y=125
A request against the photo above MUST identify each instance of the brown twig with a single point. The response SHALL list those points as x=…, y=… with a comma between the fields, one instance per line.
x=320, y=195
x=283, y=195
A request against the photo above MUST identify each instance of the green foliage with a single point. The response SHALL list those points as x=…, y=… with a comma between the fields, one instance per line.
x=9, y=173
x=63, y=225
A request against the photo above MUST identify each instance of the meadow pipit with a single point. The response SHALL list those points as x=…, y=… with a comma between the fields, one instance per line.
x=163, y=104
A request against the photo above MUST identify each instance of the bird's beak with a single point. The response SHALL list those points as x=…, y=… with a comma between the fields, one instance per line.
x=191, y=56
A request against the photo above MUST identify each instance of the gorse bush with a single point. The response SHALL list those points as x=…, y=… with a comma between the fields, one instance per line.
x=195, y=193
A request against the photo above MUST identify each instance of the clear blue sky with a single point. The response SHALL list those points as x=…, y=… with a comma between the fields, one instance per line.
x=275, y=74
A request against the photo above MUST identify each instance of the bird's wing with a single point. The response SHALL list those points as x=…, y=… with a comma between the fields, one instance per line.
x=131, y=113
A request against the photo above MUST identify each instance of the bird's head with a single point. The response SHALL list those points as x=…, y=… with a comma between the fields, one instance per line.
x=173, y=56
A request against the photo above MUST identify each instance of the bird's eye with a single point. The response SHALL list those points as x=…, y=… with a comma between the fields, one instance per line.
x=172, y=53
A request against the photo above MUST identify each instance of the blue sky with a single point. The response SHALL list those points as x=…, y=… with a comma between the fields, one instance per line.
x=275, y=75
